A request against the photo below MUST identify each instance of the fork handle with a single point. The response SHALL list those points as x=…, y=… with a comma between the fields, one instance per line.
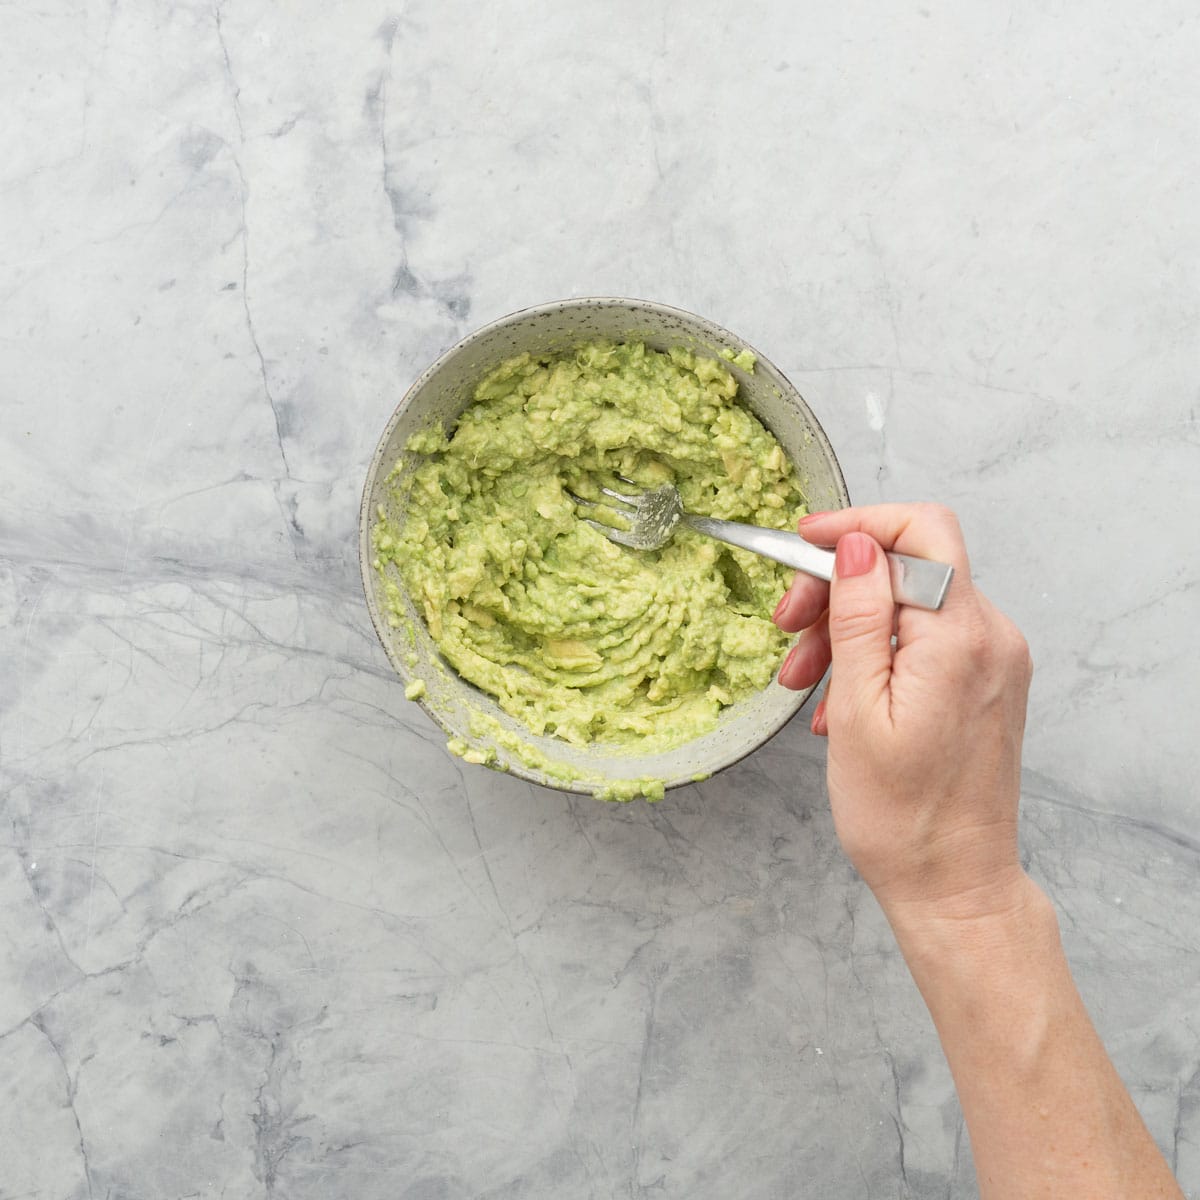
x=917, y=582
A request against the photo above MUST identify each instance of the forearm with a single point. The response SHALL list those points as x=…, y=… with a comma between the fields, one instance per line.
x=1045, y=1109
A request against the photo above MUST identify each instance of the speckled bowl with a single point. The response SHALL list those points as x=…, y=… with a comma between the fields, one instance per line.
x=444, y=391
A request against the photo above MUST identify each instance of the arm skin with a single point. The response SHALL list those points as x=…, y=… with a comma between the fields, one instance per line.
x=1046, y=1112
x=924, y=784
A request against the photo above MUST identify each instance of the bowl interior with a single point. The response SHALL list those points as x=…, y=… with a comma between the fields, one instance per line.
x=445, y=390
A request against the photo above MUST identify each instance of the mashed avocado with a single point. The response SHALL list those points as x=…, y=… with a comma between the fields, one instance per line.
x=573, y=635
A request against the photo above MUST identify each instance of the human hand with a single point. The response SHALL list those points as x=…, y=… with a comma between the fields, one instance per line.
x=924, y=782
x=924, y=739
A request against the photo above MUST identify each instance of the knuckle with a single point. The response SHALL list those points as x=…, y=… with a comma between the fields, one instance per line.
x=993, y=647
x=971, y=651
x=1007, y=636
x=851, y=622
x=939, y=514
x=1018, y=653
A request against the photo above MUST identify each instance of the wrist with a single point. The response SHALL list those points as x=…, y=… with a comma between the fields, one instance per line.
x=1008, y=914
x=992, y=973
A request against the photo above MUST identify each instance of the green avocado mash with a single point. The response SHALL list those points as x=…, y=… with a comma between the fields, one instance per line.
x=573, y=635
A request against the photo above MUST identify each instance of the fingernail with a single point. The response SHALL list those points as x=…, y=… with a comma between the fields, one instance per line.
x=855, y=555
x=808, y=520
x=787, y=662
x=780, y=606
x=819, y=724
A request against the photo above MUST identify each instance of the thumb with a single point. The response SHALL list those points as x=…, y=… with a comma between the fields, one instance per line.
x=861, y=612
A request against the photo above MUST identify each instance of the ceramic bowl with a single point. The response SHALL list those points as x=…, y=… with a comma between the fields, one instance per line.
x=444, y=391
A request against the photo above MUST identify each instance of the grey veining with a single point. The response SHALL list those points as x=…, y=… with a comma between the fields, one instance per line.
x=260, y=934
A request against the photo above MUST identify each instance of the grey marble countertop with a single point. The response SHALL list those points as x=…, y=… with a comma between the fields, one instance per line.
x=259, y=933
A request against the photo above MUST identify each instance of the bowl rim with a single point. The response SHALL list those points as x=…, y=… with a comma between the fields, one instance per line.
x=365, y=556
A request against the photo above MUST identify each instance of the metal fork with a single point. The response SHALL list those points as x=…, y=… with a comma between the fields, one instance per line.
x=654, y=516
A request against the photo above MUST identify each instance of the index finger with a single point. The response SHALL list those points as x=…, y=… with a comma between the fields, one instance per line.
x=925, y=530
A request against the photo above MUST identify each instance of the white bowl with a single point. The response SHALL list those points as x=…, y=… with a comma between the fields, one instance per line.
x=445, y=390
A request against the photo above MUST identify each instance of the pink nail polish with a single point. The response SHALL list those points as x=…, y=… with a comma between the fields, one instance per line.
x=787, y=662
x=812, y=517
x=780, y=606
x=855, y=555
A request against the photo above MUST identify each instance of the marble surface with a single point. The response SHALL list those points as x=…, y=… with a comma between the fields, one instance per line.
x=260, y=934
